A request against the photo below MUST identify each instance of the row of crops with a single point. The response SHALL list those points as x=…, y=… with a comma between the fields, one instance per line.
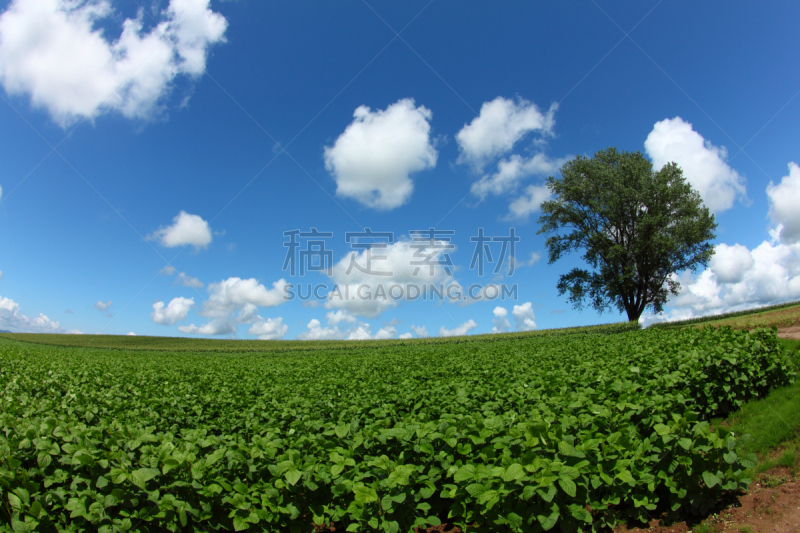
x=566, y=432
x=184, y=344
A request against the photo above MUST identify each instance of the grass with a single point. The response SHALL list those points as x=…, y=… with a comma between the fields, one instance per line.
x=770, y=421
x=786, y=317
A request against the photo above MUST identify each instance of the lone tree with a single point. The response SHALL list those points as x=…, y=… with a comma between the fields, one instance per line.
x=636, y=226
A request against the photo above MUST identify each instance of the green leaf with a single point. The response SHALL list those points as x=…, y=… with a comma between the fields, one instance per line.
x=293, y=476
x=568, y=486
x=711, y=480
x=465, y=473
x=662, y=430
x=141, y=476
x=342, y=430
x=514, y=472
x=239, y=524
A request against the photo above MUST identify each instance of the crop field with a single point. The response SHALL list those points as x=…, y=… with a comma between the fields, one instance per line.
x=561, y=432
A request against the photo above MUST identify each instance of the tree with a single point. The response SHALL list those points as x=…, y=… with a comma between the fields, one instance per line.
x=637, y=228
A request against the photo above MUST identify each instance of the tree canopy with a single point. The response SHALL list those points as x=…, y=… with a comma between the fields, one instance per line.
x=637, y=227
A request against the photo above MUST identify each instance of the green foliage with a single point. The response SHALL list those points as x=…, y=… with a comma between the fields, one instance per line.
x=636, y=227
x=543, y=433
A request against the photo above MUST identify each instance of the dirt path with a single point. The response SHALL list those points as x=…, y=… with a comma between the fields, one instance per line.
x=790, y=332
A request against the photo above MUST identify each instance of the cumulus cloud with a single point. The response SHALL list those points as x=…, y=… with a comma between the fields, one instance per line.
x=12, y=319
x=407, y=335
x=420, y=331
x=217, y=326
x=56, y=52
x=188, y=281
x=529, y=203
x=340, y=316
x=371, y=290
x=730, y=263
x=186, y=229
x=510, y=173
x=269, y=329
x=341, y=325
x=102, y=306
x=458, y=331
x=733, y=282
x=234, y=294
x=174, y=312
x=784, y=200
x=500, y=320
x=703, y=164
x=131, y=334
x=524, y=317
x=315, y=332
x=236, y=301
x=373, y=159
x=499, y=126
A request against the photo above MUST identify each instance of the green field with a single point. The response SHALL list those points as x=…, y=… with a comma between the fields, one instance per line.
x=781, y=315
x=574, y=430
x=183, y=344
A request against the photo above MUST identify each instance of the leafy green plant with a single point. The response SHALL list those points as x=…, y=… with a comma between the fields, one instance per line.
x=517, y=434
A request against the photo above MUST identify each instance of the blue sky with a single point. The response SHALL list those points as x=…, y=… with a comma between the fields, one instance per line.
x=153, y=154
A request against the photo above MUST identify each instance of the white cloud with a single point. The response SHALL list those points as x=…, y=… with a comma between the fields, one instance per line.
x=269, y=329
x=374, y=157
x=500, y=320
x=11, y=318
x=784, y=209
x=510, y=173
x=368, y=294
x=386, y=332
x=420, y=331
x=235, y=300
x=248, y=314
x=499, y=126
x=703, y=163
x=217, y=326
x=534, y=258
x=55, y=51
x=334, y=318
x=407, y=335
x=185, y=230
x=131, y=334
x=530, y=202
x=458, y=331
x=317, y=332
x=188, y=281
x=771, y=275
x=524, y=317
x=174, y=312
x=730, y=263
x=102, y=306
x=1, y=274
x=234, y=294
x=167, y=270
x=355, y=331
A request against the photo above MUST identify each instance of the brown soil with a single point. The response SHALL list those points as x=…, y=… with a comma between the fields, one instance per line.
x=790, y=332
x=765, y=509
